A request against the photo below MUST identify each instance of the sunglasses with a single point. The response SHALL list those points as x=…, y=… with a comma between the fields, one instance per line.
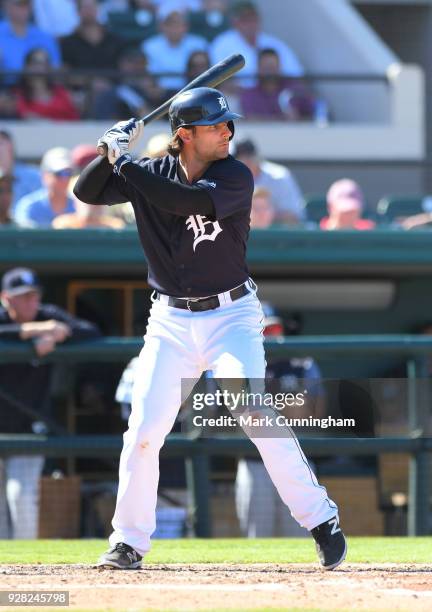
x=63, y=173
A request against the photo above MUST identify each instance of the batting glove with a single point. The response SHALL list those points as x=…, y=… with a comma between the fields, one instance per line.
x=121, y=137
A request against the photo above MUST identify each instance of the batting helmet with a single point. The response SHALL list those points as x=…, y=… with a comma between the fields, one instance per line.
x=201, y=106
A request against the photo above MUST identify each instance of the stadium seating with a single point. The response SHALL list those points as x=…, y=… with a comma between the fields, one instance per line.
x=389, y=208
x=315, y=206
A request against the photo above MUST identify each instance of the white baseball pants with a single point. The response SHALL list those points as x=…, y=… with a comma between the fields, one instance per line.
x=180, y=344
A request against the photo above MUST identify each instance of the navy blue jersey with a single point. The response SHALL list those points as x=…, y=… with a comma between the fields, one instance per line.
x=198, y=255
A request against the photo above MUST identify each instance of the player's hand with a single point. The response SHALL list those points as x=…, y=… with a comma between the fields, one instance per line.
x=121, y=138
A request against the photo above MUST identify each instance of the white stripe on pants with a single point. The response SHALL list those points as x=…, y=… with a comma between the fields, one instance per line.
x=181, y=345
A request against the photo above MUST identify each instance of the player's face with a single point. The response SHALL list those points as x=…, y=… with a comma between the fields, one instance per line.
x=23, y=308
x=211, y=142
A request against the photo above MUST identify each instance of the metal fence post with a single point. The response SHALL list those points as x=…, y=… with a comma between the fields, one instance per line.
x=419, y=491
x=198, y=483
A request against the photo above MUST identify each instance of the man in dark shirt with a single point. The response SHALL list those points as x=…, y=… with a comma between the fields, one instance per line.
x=91, y=45
x=25, y=390
x=192, y=209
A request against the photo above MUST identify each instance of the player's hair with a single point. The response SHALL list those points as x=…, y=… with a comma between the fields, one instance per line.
x=176, y=143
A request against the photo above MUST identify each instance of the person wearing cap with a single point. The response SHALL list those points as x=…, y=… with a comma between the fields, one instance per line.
x=40, y=208
x=345, y=204
x=81, y=155
x=169, y=51
x=25, y=405
x=260, y=509
x=247, y=38
x=286, y=195
x=26, y=178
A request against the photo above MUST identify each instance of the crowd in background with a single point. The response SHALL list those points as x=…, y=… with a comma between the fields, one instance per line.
x=42, y=197
x=84, y=59
x=112, y=59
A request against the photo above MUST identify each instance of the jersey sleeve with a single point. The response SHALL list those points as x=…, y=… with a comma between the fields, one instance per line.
x=230, y=190
x=98, y=185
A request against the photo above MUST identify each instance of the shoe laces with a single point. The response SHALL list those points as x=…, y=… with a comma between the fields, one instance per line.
x=122, y=547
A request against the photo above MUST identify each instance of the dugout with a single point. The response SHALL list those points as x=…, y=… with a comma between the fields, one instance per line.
x=342, y=283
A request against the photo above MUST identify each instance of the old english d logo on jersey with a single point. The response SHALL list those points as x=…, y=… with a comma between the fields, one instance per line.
x=203, y=230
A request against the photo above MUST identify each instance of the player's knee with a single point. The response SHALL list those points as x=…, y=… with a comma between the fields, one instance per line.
x=146, y=437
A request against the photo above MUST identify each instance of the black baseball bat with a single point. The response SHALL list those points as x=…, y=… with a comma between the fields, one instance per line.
x=218, y=73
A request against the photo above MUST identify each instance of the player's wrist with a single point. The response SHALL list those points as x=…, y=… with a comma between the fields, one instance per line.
x=124, y=159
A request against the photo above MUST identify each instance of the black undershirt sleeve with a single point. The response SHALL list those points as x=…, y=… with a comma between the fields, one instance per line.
x=98, y=185
x=169, y=196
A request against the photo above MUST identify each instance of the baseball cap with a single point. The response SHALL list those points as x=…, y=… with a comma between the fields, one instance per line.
x=245, y=148
x=345, y=194
x=56, y=159
x=19, y=281
x=83, y=154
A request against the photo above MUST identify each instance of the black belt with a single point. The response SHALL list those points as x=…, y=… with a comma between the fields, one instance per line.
x=208, y=303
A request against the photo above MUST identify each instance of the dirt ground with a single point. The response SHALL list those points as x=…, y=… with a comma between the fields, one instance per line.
x=200, y=587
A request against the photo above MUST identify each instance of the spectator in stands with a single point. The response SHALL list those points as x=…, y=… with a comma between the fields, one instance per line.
x=25, y=405
x=169, y=51
x=263, y=212
x=18, y=36
x=247, y=38
x=133, y=23
x=345, y=204
x=419, y=221
x=56, y=17
x=26, y=178
x=6, y=187
x=212, y=20
x=197, y=63
x=38, y=209
x=285, y=192
x=276, y=97
x=81, y=155
x=135, y=95
x=91, y=45
x=260, y=510
x=38, y=96
x=87, y=216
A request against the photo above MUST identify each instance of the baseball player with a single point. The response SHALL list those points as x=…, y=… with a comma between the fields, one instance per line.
x=192, y=208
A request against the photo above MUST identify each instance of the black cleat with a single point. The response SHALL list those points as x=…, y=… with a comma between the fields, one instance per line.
x=330, y=543
x=121, y=556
